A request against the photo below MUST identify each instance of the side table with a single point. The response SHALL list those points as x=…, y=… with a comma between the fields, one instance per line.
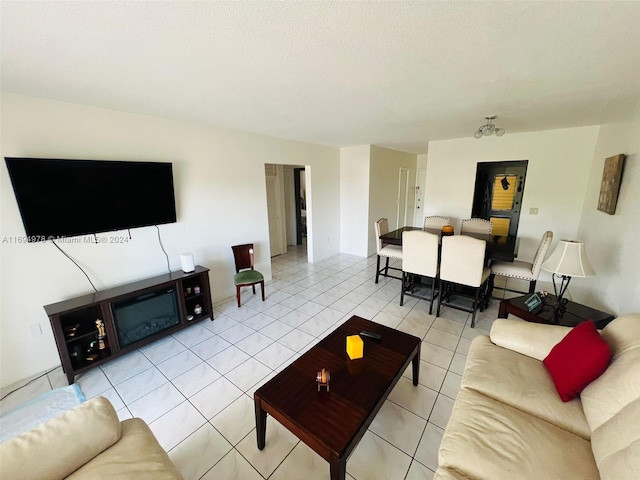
x=574, y=314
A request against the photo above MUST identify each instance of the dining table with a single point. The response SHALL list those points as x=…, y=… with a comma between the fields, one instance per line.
x=499, y=247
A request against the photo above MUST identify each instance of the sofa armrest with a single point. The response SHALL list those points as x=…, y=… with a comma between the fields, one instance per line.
x=137, y=455
x=61, y=445
x=534, y=340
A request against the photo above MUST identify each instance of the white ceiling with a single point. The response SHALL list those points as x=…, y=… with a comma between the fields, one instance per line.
x=395, y=74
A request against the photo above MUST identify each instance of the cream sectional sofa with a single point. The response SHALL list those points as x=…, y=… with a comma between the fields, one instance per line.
x=87, y=442
x=508, y=421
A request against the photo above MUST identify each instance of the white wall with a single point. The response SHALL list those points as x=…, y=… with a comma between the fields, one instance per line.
x=612, y=241
x=354, y=199
x=383, y=190
x=557, y=174
x=421, y=176
x=220, y=195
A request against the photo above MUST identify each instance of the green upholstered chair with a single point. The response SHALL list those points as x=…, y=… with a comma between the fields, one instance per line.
x=245, y=274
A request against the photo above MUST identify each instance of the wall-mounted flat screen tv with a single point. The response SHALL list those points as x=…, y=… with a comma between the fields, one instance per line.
x=66, y=198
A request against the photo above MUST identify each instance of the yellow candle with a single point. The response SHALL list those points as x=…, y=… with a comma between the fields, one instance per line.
x=355, y=347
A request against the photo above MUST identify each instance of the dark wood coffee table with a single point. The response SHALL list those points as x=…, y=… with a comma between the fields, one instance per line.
x=333, y=422
x=574, y=315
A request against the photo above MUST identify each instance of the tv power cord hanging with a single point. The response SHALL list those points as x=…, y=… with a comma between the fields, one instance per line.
x=75, y=263
x=162, y=246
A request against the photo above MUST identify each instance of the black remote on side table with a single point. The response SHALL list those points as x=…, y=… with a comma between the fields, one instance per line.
x=371, y=335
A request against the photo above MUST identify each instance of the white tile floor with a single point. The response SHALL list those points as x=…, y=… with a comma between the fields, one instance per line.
x=195, y=388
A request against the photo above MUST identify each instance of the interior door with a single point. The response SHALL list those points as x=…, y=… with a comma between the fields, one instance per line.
x=403, y=197
x=498, y=194
x=275, y=208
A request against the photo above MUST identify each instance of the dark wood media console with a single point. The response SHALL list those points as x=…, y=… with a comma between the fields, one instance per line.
x=77, y=336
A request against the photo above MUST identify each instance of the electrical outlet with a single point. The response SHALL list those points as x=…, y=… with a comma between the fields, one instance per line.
x=35, y=331
x=533, y=211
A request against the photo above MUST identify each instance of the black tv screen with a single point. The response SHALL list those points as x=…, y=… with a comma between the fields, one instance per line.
x=66, y=198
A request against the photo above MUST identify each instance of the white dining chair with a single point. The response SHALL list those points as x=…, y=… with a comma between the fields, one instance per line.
x=476, y=225
x=387, y=251
x=462, y=264
x=419, y=259
x=436, y=221
x=529, y=271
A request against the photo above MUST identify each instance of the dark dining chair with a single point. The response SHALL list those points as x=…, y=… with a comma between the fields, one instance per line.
x=245, y=275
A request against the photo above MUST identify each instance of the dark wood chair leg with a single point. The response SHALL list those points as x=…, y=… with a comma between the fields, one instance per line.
x=433, y=290
x=475, y=307
x=404, y=277
x=262, y=289
x=386, y=268
x=377, y=268
x=532, y=286
x=439, y=298
x=253, y=287
x=238, y=294
x=492, y=278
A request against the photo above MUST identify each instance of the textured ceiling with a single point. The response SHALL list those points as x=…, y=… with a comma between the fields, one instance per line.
x=395, y=74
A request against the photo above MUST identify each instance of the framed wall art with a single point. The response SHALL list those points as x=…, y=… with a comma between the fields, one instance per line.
x=611, y=177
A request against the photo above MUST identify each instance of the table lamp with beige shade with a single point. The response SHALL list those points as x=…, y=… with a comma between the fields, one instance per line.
x=568, y=260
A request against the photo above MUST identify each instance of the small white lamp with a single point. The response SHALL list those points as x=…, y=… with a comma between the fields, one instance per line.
x=568, y=260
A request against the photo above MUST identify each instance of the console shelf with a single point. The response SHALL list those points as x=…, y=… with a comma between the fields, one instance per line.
x=80, y=347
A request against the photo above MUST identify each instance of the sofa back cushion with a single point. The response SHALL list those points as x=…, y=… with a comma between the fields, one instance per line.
x=63, y=444
x=616, y=444
x=619, y=385
x=611, y=403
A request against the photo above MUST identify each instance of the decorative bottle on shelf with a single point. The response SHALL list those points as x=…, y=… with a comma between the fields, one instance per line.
x=102, y=335
x=197, y=309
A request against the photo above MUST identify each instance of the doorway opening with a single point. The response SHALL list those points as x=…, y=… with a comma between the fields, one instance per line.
x=287, y=208
x=300, y=191
x=403, y=197
x=498, y=194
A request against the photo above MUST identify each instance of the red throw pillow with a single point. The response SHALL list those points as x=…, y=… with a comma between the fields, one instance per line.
x=577, y=360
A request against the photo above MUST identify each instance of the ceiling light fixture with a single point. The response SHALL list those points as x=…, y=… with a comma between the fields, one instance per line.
x=488, y=129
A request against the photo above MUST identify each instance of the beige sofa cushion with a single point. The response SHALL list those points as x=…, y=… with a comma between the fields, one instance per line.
x=534, y=340
x=623, y=464
x=521, y=382
x=623, y=333
x=137, y=456
x=616, y=444
x=448, y=474
x=66, y=442
x=619, y=385
x=488, y=439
